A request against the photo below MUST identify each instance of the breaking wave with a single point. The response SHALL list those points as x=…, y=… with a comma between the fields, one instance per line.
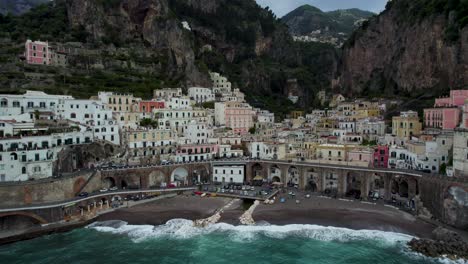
x=185, y=229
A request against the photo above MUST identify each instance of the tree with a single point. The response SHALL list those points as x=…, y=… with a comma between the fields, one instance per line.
x=252, y=130
x=148, y=122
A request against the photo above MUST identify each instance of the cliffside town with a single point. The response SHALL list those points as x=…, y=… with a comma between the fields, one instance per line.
x=40, y=132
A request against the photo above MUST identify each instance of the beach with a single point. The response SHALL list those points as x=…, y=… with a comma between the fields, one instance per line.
x=314, y=211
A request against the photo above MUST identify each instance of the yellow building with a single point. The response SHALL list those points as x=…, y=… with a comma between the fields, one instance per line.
x=121, y=102
x=296, y=114
x=331, y=152
x=406, y=125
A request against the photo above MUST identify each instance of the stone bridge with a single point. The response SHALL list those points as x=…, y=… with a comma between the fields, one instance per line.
x=446, y=198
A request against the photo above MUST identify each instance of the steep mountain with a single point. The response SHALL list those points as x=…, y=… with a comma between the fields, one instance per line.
x=308, y=23
x=17, y=7
x=141, y=45
x=414, y=48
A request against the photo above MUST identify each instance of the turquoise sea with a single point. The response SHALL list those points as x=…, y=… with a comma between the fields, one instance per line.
x=179, y=242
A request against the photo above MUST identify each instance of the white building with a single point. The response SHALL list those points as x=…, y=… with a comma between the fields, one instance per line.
x=32, y=157
x=182, y=102
x=460, y=153
x=371, y=129
x=229, y=174
x=92, y=114
x=167, y=93
x=264, y=116
x=31, y=102
x=267, y=150
x=221, y=85
x=201, y=95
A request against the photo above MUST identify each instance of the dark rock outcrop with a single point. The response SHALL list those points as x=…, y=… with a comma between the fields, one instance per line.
x=445, y=243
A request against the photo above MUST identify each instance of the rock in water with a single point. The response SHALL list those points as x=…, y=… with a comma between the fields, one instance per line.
x=446, y=243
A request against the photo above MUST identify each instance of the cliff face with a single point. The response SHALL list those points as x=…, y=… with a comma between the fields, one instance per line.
x=397, y=54
x=145, y=24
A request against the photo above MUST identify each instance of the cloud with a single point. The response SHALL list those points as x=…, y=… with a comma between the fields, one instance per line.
x=282, y=7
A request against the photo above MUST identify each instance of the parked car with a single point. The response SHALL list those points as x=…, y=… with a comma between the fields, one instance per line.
x=114, y=188
x=104, y=190
x=83, y=194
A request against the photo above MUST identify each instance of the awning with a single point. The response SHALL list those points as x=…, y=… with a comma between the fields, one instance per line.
x=258, y=178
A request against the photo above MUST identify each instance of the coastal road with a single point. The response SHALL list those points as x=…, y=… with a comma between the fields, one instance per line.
x=93, y=196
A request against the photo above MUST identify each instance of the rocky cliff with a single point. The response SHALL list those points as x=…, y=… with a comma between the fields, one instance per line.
x=412, y=48
x=141, y=45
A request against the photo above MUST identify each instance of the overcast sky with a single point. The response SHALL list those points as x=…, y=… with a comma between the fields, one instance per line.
x=282, y=7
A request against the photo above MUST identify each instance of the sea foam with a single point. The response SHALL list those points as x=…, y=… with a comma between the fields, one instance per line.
x=185, y=229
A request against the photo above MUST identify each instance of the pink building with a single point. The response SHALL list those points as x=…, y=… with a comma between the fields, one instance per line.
x=362, y=156
x=446, y=112
x=381, y=155
x=148, y=106
x=465, y=115
x=443, y=118
x=199, y=152
x=457, y=98
x=239, y=117
x=37, y=52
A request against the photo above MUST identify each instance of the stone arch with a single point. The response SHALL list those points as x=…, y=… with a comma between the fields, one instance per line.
x=276, y=179
x=109, y=182
x=124, y=184
x=292, y=177
x=257, y=170
x=312, y=180
x=156, y=179
x=201, y=173
x=400, y=187
x=377, y=186
x=33, y=216
x=353, y=185
x=274, y=172
x=180, y=176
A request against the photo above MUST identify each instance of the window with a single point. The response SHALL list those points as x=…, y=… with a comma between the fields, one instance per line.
x=73, y=115
x=4, y=103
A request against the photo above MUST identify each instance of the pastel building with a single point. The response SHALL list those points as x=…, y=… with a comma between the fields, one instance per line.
x=198, y=152
x=149, y=106
x=381, y=155
x=443, y=118
x=406, y=125
x=447, y=111
x=235, y=115
x=37, y=52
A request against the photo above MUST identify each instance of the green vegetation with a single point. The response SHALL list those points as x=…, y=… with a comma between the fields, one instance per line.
x=208, y=105
x=369, y=143
x=252, y=130
x=149, y=123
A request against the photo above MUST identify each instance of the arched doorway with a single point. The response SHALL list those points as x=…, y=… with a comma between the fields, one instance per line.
x=275, y=172
x=293, y=176
x=312, y=180
x=353, y=185
x=156, y=179
x=276, y=179
x=124, y=184
x=108, y=182
x=179, y=176
x=201, y=175
x=377, y=187
x=403, y=189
